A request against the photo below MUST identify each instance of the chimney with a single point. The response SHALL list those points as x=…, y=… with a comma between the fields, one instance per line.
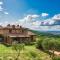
x=13, y=26
x=0, y=26
x=8, y=25
x=20, y=26
x=17, y=25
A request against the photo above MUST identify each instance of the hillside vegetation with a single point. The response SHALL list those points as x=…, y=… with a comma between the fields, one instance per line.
x=29, y=53
x=48, y=43
x=38, y=50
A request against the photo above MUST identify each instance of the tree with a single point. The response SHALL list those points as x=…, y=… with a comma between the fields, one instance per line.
x=39, y=43
x=18, y=48
x=51, y=44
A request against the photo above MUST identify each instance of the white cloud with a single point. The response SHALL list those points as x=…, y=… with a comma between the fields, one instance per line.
x=37, y=25
x=0, y=23
x=56, y=17
x=35, y=16
x=5, y=23
x=1, y=9
x=29, y=18
x=28, y=21
x=6, y=13
x=44, y=14
x=1, y=2
x=51, y=22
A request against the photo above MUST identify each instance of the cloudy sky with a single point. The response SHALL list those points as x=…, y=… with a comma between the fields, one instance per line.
x=34, y=14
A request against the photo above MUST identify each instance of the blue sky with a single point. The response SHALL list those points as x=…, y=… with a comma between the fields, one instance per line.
x=39, y=10
x=18, y=8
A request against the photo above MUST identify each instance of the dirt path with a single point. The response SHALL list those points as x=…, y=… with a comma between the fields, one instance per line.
x=55, y=52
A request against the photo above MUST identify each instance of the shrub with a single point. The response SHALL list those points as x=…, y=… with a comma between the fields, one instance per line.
x=18, y=48
x=56, y=58
x=39, y=44
x=30, y=43
x=34, y=55
x=51, y=45
x=7, y=45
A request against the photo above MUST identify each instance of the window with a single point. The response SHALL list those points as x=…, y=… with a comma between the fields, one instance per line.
x=20, y=31
x=13, y=31
x=17, y=31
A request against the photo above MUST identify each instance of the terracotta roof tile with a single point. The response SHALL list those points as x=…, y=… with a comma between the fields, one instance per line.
x=18, y=35
x=31, y=33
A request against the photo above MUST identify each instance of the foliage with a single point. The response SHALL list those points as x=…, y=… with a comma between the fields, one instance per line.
x=28, y=53
x=56, y=58
x=18, y=48
x=51, y=44
x=34, y=55
x=30, y=43
x=48, y=44
x=39, y=43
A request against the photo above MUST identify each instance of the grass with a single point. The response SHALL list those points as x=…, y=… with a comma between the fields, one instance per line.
x=40, y=54
x=29, y=53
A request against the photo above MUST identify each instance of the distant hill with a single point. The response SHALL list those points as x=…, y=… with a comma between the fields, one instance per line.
x=46, y=33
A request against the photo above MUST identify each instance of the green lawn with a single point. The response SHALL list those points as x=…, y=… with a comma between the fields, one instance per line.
x=29, y=53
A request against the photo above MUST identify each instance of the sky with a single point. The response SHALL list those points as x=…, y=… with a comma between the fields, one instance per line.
x=34, y=14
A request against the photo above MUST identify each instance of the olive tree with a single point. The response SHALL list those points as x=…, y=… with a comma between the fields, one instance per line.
x=18, y=48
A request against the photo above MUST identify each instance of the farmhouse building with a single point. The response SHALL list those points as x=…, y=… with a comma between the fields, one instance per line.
x=18, y=34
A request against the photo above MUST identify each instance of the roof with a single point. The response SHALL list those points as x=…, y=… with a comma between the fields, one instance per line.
x=18, y=35
x=31, y=33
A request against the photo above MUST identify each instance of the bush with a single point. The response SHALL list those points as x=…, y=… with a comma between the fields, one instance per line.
x=51, y=44
x=39, y=44
x=7, y=45
x=46, y=44
x=34, y=55
x=56, y=58
x=30, y=43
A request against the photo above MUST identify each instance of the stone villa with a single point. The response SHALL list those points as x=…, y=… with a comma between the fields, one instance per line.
x=18, y=34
